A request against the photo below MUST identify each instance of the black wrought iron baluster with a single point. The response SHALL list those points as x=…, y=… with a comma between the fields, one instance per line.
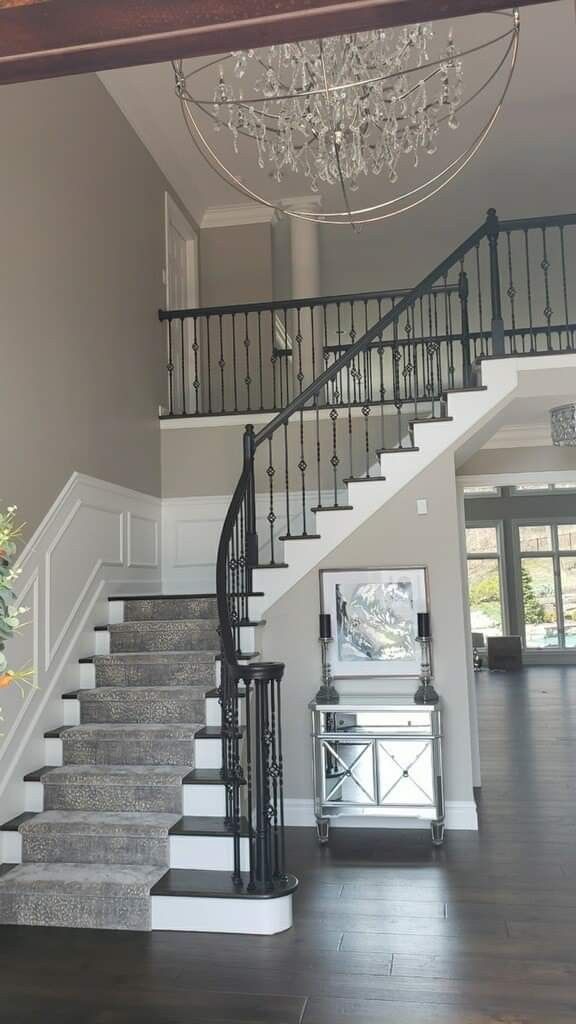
x=260, y=359
x=286, y=362
x=449, y=332
x=276, y=370
x=264, y=677
x=529, y=288
x=334, y=459
x=287, y=478
x=236, y=773
x=329, y=393
x=339, y=391
x=279, y=774
x=170, y=369
x=234, y=363
x=318, y=451
x=247, y=379
x=484, y=348
x=397, y=398
x=382, y=389
x=438, y=352
x=298, y=340
x=222, y=365
x=183, y=408
x=196, y=381
x=564, y=286
x=352, y=369
x=368, y=389
x=271, y=516
x=548, y=311
x=208, y=387
x=511, y=292
x=251, y=534
x=302, y=467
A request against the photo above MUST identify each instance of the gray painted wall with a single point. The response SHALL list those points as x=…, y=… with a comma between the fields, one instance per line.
x=395, y=536
x=493, y=461
x=81, y=374
x=236, y=264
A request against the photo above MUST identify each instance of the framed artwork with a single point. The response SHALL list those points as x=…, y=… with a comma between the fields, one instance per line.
x=374, y=615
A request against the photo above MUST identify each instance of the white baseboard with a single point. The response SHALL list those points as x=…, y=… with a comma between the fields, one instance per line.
x=461, y=815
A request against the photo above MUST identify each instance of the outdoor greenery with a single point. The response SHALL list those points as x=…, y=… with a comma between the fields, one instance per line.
x=534, y=611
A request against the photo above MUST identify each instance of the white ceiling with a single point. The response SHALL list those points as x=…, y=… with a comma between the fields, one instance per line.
x=543, y=88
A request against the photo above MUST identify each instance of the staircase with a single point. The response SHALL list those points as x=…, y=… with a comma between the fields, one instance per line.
x=131, y=828
x=161, y=802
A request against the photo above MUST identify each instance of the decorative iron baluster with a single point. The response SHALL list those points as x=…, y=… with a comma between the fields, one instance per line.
x=222, y=365
x=260, y=361
x=196, y=381
x=247, y=379
x=182, y=367
x=545, y=265
x=271, y=517
x=170, y=368
x=463, y=292
x=564, y=285
x=511, y=292
x=208, y=346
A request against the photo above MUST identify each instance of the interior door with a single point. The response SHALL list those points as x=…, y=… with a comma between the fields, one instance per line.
x=182, y=293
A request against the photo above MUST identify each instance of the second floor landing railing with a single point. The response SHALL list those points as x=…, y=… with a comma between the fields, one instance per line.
x=259, y=357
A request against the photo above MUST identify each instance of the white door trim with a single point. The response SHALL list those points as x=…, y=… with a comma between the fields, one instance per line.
x=174, y=215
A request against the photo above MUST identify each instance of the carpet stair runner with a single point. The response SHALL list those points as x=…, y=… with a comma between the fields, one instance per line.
x=91, y=858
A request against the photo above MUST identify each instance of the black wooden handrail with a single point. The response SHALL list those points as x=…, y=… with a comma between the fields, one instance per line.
x=276, y=305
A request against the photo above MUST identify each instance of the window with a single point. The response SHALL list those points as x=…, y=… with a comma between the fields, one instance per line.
x=548, y=583
x=485, y=579
x=570, y=485
x=481, y=492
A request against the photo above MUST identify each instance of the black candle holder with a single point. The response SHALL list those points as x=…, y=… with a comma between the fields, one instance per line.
x=327, y=694
x=425, y=694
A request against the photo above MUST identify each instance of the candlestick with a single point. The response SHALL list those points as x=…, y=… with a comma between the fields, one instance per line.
x=327, y=694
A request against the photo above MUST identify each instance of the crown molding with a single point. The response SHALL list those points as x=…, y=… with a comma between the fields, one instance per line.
x=529, y=435
x=236, y=214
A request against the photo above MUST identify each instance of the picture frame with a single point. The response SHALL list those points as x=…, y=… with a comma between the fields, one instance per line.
x=374, y=617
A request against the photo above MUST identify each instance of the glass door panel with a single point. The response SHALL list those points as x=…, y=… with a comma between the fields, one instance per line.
x=539, y=602
x=568, y=583
x=535, y=538
x=567, y=537
x=485, y=596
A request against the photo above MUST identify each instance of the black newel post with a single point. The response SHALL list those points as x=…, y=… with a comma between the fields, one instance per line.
x=267, y=784
x=465, y=327
x=493, y=228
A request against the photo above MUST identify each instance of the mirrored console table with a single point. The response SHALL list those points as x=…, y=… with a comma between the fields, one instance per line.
x=378, y=758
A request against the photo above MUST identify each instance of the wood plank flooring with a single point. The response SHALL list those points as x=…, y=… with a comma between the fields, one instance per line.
x=389, y=930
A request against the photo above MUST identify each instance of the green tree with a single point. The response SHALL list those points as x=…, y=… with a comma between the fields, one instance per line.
x=534, y=611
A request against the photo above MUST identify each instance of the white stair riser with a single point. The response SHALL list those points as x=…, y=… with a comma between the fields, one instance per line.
x=87, y=676
x=53, y=753
x=202, y=853
x=71, y=712
x=208, y=753
x=214, y=711
x=101, y=641
x=33, y=796
x=207, y=853
x=236, y=916
x=205, y=801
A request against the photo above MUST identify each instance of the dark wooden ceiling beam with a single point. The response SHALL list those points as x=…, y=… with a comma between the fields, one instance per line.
x=48, y=38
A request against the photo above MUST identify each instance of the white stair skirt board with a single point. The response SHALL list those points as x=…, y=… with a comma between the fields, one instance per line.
x=472, y=413
x=207, y=853
x=235, y=916
x=10, y=848
x=461, y=815
x=204, y=801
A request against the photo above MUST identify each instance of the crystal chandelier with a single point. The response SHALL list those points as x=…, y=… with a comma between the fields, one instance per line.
x=339, y=110
x=563, y=425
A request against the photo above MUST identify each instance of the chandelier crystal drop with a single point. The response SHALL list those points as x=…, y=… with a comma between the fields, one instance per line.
x=339, y=110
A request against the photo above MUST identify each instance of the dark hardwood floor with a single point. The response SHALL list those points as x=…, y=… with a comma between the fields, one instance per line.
x=389, y=930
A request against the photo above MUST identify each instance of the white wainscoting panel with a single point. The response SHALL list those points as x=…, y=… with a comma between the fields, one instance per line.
x=97, y=539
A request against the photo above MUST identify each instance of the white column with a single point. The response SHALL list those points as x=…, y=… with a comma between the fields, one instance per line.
x=305, y=271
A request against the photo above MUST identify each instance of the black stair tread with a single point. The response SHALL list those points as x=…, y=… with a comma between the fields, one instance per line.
x=363, y=479
x=470, y=387
x=300, y=536
x=432, y=419
x=209, y=777
x=71, y=694
x=242, y=656
x=36, y=775
x=86, y=661
x=332, y=508
x=215, y=884
x=203, y=825
x=271, y=565
x=394, y=451
x=14, y=823
x=55, y=734
x=215, y=692
x=101, y=629
x=214, y=732
x=157, y=597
